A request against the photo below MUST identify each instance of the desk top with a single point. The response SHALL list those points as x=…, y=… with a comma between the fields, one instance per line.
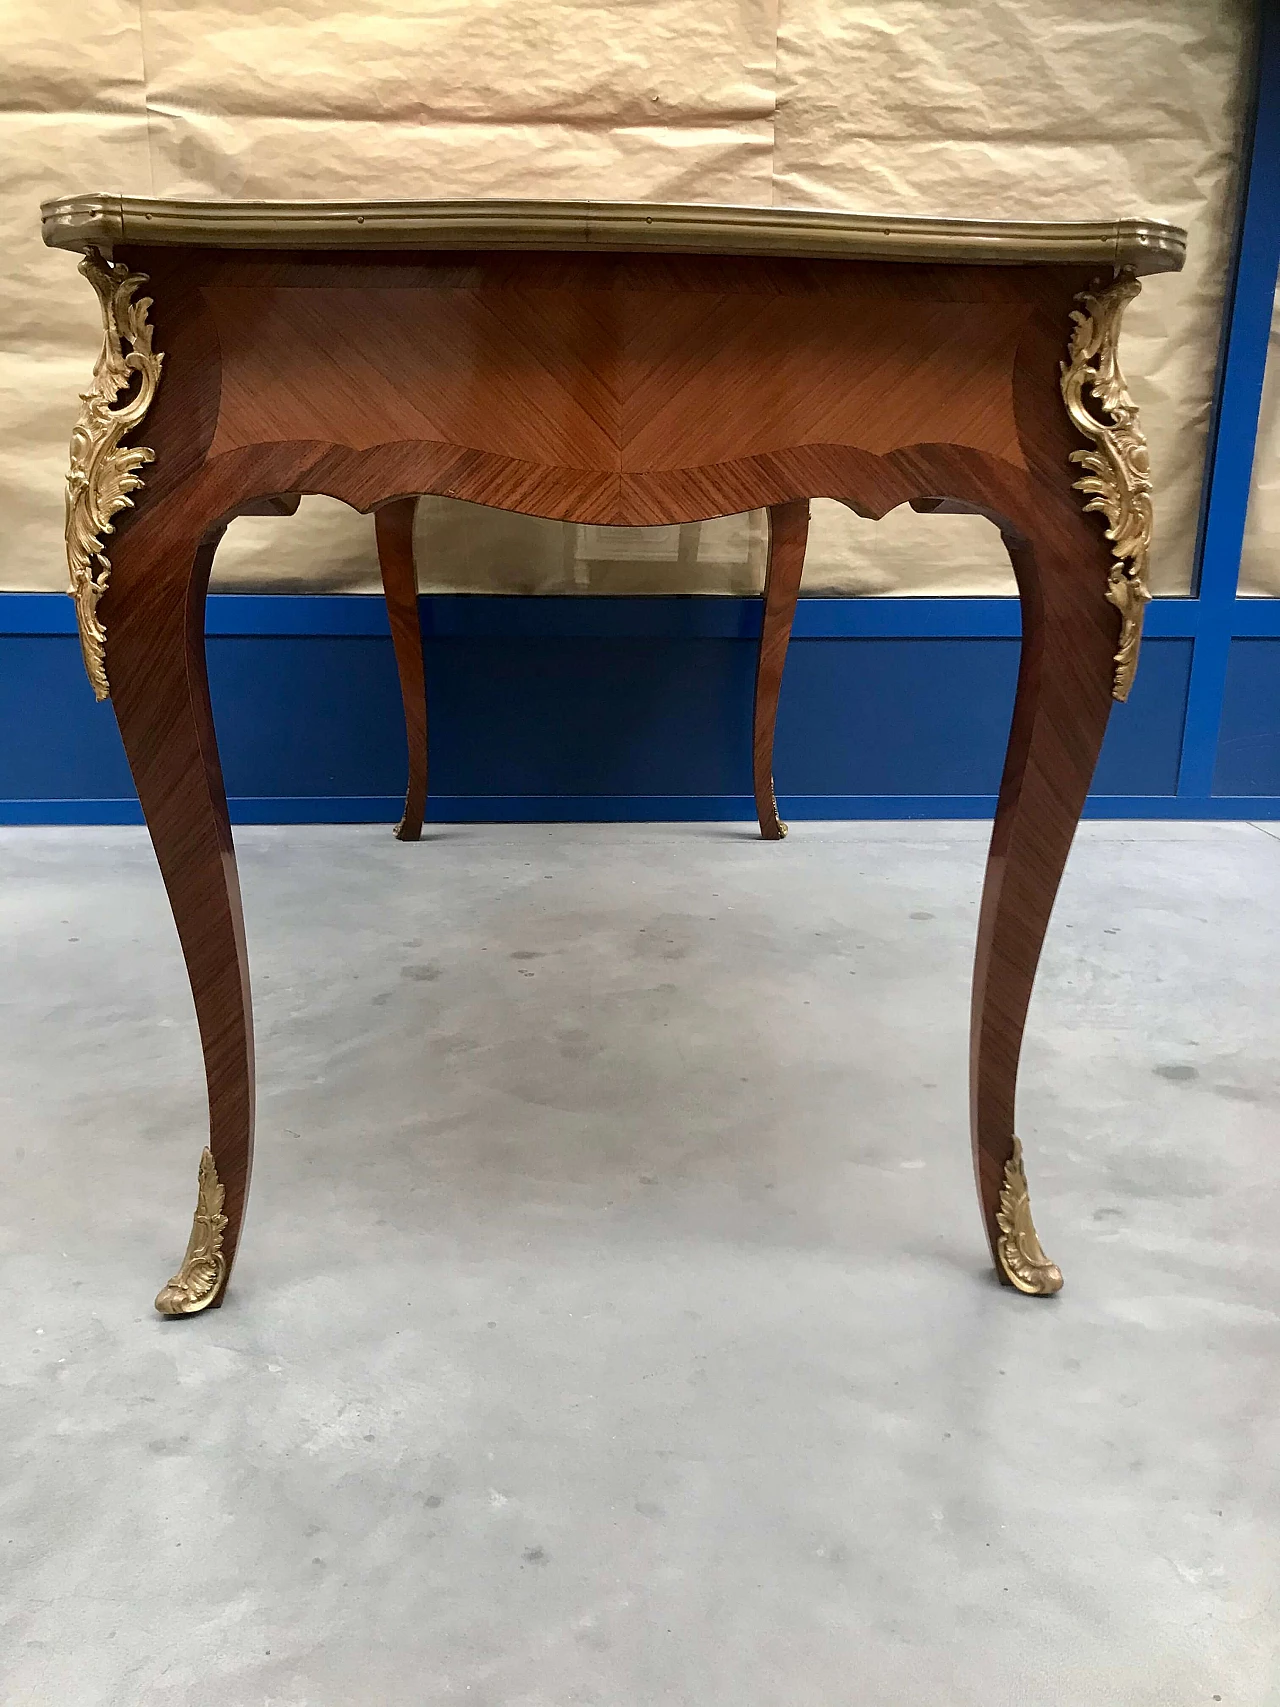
x=101, y=221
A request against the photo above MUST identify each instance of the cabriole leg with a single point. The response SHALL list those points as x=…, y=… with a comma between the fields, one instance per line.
x=160, y=690
x=394, y=528
x=788, y=531
x=1059, y=719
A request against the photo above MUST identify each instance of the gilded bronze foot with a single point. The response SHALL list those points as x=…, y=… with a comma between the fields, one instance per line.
x=1021, y=1257
x=775, y=830
x=199, y=1282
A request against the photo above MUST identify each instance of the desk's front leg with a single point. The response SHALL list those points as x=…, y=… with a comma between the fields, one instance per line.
x=1059, y=720
x=1076, y=570
x=160, y=691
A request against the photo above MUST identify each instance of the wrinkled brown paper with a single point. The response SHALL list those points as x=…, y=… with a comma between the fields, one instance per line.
x=1054, y=109
x=1260, y=559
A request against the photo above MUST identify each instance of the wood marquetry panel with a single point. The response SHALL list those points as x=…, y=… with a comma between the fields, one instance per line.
x=599, y=376
x=877, y=376
x=483, y=370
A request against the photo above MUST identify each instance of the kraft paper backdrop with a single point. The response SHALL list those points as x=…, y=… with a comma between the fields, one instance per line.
x=1260, y=559
x=1000, y=108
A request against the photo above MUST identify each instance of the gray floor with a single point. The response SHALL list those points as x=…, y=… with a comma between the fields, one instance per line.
x=613, y=1323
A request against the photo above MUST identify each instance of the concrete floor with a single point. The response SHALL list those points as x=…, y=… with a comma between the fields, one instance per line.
x=613, y=1323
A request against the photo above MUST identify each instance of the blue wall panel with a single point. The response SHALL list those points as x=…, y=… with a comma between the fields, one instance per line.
x=921, y=717
x=307, y=715
x=1143, y=748
x=55, y=741
x=582, y=725
x=655, y=717
x=894, y=716
x=1249, y=743
x=560, y=716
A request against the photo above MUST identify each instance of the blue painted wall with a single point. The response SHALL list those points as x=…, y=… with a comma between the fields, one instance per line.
x=1248, y=761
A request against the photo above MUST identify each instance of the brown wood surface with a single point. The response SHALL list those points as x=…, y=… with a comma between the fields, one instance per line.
x=161, y=699
x=788, y=532
x=393, y=525
x=619, y=389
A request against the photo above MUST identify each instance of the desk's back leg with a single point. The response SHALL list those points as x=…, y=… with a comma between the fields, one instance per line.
x=160, y=691
x=788, y=531
x=393, y=524
x=1059, y=719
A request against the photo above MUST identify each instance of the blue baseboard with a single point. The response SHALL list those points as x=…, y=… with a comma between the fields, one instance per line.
x=632, y=809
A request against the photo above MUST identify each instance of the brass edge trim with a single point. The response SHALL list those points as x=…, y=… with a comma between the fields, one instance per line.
x=204, y=1268
x=76, y=222
x=1018, y=1248
x=82, y=222
x=1118, y=477
x=102, y=473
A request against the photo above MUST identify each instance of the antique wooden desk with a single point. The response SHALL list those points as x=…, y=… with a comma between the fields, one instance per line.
x=614, y=363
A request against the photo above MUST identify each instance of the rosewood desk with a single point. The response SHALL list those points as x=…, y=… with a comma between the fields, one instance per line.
x=613, y=363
